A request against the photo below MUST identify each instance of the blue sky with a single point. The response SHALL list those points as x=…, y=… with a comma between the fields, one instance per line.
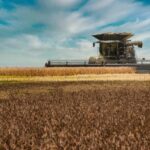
x=33, y=31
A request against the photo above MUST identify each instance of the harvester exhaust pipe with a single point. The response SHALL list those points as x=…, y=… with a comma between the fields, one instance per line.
x=95, y=43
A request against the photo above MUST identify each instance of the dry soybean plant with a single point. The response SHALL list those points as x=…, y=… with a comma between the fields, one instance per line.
x=75, y=116
x=63, y=71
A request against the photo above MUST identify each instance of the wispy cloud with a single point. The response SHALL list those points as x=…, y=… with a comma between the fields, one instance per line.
x=62, y=28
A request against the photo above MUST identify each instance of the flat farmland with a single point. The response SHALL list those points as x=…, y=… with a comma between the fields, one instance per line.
x=75, y=115
x=76, y=78
x=71, y=74
x=64, y=71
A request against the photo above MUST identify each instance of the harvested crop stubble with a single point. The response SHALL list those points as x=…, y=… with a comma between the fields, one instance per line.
x=63, y=71
x=77, y=78
x=75, y=116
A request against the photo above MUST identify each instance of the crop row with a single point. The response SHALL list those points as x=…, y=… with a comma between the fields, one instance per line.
x=75, y=116
x=64, y=71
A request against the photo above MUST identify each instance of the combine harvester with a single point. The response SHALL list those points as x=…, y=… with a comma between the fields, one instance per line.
x=115, y=49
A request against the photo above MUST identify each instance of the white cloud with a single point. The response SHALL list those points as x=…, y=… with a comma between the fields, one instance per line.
x=62, y=24
x=143, y=36
x=58, y=3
